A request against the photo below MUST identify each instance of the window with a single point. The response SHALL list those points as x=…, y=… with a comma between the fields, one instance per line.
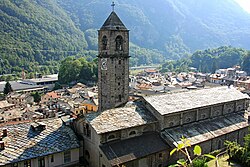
x=27, y=163
x=67, y=156
x=52, y=158
x=219, y=144
x=104, y=43
x=132, y=133
x=87, y=155
x=15, y=165
x=160, y=155
x=87, y=130
x=120, y=98
x=160, y=165
x=103, y=166
x=120, y=61
x=41, y=162
x=188, y=119
x=111, y=137
x=119, y=43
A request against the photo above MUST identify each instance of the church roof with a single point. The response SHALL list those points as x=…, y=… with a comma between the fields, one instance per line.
x=113, y=22
x=176, y=102
x=131, y=115
x=122, y=151
x=200, y=132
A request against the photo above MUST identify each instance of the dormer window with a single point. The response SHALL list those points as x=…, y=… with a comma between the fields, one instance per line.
x=119, y=43
x=104, y=42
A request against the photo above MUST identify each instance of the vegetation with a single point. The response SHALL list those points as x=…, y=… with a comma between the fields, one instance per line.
x=238, y=153
x=222, y=161
x=37, y=34
x=172, y=27
x=7, y=88
x=246, y=63
x=198, y=161
x=74, y=70
x=36, y=96
x=209, y=60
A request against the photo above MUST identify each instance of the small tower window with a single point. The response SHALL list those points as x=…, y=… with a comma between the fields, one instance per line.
x=88, y=131
x=104, y=42
x=119, y=43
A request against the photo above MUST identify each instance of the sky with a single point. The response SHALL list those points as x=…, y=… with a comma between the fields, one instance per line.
x=245, y=4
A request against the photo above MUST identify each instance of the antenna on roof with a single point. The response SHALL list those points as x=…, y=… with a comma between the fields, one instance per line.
x=113, y=6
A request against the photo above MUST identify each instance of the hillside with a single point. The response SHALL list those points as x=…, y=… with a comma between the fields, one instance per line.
x=36, y=34
x=32, y=33
x=174, y=27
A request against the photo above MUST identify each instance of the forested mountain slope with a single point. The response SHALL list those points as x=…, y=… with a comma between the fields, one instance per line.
x=171, y=26
x=35, y=34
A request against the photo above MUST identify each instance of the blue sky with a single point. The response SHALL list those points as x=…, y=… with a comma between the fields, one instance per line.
x=245, y=4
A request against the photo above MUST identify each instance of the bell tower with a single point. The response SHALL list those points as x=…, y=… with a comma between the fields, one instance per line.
x=113, y=63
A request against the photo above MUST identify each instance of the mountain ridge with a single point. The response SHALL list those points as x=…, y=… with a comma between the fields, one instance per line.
x=42, y=32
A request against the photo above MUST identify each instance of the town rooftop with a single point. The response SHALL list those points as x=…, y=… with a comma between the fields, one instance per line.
x=23, y=142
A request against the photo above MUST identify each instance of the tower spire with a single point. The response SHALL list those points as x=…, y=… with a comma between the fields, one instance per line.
x=113, y=6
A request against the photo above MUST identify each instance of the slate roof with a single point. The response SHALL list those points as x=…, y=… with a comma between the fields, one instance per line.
x=23, y=142
x=18, y=86
x=131, y=115
x=199, y=132
x=175, y=102
x=122, y=151
x=39, y=80
x=113, y=22
x=5, y=104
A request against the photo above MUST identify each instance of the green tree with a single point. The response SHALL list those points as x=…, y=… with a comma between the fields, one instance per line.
x=7, y=88
x=246, y=63
x=74, y=70
x=37, y=97
x=197, y=161
x=57, y=86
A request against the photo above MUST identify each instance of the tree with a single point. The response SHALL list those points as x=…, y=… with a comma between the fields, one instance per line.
x=7, y=88
x=183, y=148
x=37, y=97
x=74, y=70
x=246, y=63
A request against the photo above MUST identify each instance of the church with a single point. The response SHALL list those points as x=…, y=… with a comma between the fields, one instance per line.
x=143, y=132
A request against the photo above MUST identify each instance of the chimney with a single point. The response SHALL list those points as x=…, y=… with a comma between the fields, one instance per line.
x=5, y=132
x=1, y=145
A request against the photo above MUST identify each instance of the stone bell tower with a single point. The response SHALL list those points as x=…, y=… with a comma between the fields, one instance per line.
x=113, y=63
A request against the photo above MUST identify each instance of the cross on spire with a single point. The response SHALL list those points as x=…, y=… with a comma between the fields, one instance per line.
x=113, y=6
